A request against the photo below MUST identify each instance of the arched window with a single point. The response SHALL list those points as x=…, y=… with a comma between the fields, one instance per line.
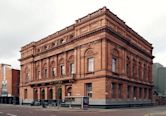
x=53, y=69
x=27, y=75
x=42, y=94
x=71, y=65
x=59, y=93
x=38, y=75
x=128, y=65
x=115, y=58
x=69, y=91
x=90, y=60
x=134, y=66
x=35, y=93
x=44, y=71
x=140, y=70
x=90, y=63
x=144, y=72
x=62, y=67
x=50, y=93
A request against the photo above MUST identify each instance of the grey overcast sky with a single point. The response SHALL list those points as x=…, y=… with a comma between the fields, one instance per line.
x=24, y=21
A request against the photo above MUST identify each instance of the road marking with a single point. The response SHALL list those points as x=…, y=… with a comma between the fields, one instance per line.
x=11, y=114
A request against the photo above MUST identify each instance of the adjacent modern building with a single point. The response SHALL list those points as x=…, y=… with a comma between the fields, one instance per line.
x=159, y=75
x=98, y=56
x=9, y=81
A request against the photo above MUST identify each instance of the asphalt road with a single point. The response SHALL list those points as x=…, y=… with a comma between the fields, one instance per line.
x=11, y=110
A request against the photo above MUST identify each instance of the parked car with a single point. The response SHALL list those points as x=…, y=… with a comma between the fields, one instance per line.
x=35, y=103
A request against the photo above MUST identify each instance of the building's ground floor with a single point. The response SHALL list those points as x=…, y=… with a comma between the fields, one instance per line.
x=101, y=91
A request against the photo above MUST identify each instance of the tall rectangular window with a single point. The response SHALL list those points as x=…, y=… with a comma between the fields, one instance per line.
x=62, y=70
x=139, y=71
x=128, y=91
x=128, y=66
x=127, y=69
x=88, y=89
x=144, y=72
x=148, y=73
x=113, y=90
x=38, y=74
x=53, y=71
x=133, y=68
x=45, y=73
x=135, y=92
x=72, y=68
x=114, y=62
x=120, y=91
x=27, y=78
x=90, y=64
x=140, y=93
x=150, y=94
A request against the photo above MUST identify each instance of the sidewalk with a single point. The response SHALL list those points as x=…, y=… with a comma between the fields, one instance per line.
x=72, y=109
x=77, y=109
x=65, y=109
x=157, y=114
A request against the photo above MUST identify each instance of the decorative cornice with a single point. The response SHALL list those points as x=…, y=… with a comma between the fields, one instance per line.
x=128, y=42
x=88, y=34
x=91, y=16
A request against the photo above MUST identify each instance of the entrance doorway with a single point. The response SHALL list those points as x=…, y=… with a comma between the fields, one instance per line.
x=42, y=94
x=59, y=93
x=50, y=94
x=35, y=93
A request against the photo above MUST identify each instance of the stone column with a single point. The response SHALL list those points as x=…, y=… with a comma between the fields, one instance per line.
x=38, y=93
x=104, y=54
x=21, y=75
x=75, y=61
x=124, y=91
x=63, y=91
x=40, y=76
x=32, y=71
x=46, y=93
x=54, y=92
x=56, y=65
x=65, y=63
x=48, y=68
x=136, y=70
x=131, y=66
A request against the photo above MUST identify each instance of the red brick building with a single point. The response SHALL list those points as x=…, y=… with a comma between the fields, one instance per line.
x=9, y=81
x=98, y=56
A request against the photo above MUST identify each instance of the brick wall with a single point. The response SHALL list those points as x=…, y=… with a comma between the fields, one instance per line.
x=100, y=35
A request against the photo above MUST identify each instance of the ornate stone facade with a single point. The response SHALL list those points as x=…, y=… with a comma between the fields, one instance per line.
x=99, y=56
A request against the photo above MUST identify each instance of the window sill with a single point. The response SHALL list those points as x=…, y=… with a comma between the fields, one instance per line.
x=62, y=76
x=115, y=73
x=90, y=73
